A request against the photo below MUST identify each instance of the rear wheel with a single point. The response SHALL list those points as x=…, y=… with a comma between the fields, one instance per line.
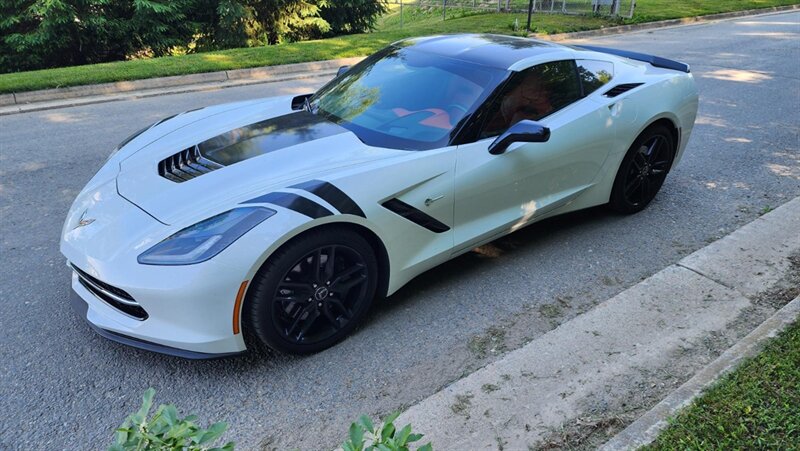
x=313, y=292
x=643, y=170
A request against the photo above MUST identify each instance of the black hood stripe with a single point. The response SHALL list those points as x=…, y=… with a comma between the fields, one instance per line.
x=267, y=136
x=332, y=195
x=243, y=143
x=293, y=202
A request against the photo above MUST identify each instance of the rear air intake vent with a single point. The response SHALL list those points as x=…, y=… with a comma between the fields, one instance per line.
x=621, y=89
x=186, y=165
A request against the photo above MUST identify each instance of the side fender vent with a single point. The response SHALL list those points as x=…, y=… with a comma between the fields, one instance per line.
x=186, y=165
x=621, y=89
x=416, y=216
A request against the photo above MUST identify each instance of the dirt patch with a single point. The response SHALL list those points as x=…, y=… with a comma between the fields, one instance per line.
x=462, y=405
x=583, y=434
x=491, y=342
x=611, y=410
x=785, y=290
x=550, y=310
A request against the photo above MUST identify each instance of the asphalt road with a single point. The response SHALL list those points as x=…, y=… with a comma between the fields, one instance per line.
x=62, y=387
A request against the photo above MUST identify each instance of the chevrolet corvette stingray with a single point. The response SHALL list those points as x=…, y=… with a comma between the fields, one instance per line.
x=280, y=220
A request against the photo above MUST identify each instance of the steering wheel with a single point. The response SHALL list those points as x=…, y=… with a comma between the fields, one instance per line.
x=457, y=107
x=408, y=118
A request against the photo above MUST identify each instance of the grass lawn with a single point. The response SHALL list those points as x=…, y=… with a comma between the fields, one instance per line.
x=389, y=30
x=755, y=407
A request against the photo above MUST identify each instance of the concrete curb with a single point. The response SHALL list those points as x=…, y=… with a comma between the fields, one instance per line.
x=664, y=23
x=7, y=99
x=595, y=358
x=107, y=92
x=644, y=430
x=88, y=100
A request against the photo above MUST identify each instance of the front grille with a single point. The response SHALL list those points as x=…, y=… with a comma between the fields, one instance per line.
x=111, y=295
x=621, y=89
x=186, y=165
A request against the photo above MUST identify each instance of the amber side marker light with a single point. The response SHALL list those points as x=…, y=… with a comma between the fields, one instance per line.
x=237, y=307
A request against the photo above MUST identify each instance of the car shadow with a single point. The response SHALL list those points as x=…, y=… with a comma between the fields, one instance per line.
x=469, y=265
x=466, y=266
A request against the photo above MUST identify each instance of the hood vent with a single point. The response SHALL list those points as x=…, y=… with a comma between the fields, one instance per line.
x=186, y=165
x=243, y=143
x=621, y=89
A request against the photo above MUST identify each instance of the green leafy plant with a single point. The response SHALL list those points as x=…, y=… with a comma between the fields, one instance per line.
x=165, y=431
x=364, y=436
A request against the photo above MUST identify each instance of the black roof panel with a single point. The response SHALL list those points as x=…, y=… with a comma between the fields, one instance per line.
x=485, y=49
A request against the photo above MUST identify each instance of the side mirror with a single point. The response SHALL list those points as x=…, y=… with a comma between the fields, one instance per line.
x=298, y=102
x=523, y=131
x=342, y=70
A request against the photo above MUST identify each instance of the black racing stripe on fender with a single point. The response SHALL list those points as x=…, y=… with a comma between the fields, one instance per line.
x=332, y=195
x=293, y=202
x=415, y=216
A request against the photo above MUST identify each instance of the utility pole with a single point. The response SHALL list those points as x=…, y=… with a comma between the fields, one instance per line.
x=530, y=11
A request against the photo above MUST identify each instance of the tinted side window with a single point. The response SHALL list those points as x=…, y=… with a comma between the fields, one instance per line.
x=594, y=74
x=533, y=94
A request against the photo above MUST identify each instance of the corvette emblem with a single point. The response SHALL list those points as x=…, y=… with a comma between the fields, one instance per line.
x=84, y=221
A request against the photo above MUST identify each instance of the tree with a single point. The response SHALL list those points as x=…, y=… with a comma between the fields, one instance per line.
x=52, y=33
x=158, y=26
x=289, y=20
x=12, y=22
x=236, y=23
x=38, y=34
x=352, y=16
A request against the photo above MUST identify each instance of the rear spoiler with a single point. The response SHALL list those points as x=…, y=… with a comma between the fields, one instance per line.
x=656, y=61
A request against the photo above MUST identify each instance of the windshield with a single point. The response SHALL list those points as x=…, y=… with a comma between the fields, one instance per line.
x=406, y=99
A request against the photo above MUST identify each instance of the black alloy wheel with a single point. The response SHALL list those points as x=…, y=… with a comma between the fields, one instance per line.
x=312, y=293
x=643, y=170
x=318, y=294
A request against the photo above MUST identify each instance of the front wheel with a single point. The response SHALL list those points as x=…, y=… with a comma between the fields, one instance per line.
x=643, y=170
x=313, y=292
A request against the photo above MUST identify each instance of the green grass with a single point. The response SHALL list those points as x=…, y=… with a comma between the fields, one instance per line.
x=415, y=24
x=755, y=407
x=652, y=10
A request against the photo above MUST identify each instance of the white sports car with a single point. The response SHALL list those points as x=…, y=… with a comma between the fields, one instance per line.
x=281, y=219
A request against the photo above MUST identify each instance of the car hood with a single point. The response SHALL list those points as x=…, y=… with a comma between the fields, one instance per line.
x=201, y=163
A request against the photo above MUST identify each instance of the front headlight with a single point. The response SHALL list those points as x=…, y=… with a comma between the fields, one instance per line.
x=205, y=239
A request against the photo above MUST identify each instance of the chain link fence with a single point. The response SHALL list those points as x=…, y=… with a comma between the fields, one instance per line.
x=609, y=8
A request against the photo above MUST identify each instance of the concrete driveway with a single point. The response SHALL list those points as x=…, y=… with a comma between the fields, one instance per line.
x=62, y=387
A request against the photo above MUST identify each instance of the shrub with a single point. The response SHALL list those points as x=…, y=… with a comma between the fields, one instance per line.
x=165, y=431
x=365, y=437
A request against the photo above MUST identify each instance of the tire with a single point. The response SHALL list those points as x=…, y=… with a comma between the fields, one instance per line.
x=295, y=309
x=643, y=170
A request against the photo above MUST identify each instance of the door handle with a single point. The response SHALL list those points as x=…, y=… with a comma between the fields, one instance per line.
x=431, y=200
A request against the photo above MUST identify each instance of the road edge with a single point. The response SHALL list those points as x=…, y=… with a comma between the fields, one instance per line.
x=646, y=428
x=47, y=99
x=749, y=262
x=23, y=102
x=669, y=23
